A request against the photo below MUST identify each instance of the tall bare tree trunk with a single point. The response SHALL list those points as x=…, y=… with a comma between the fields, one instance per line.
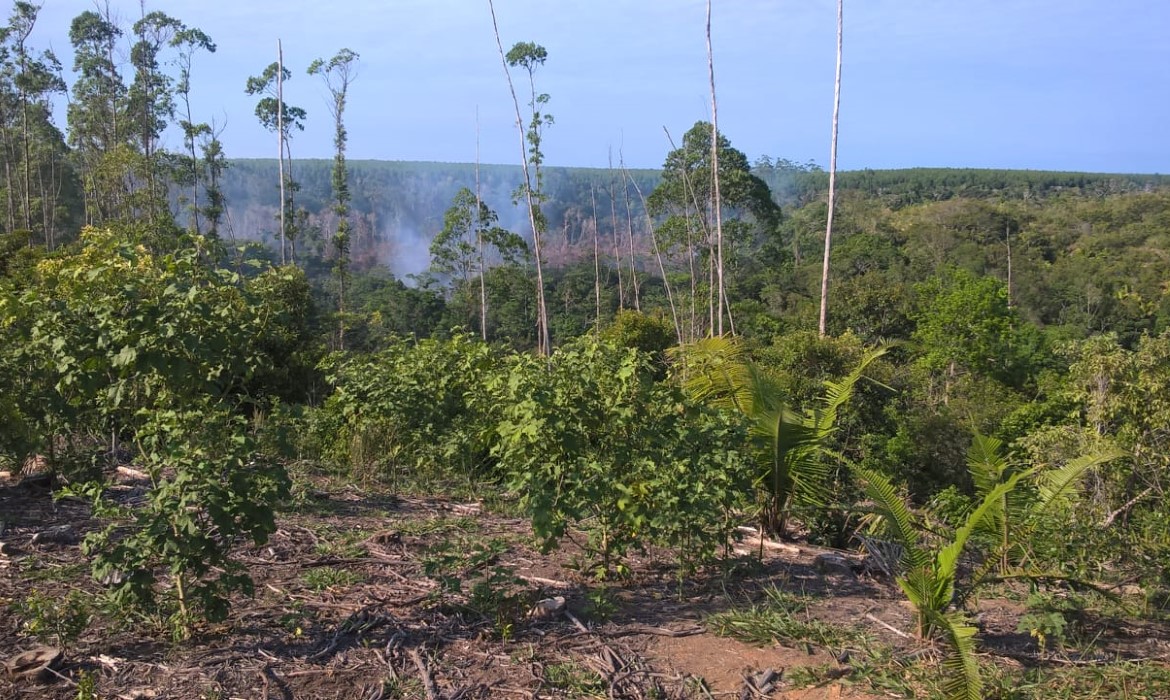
x=658, y=256
x=711, y=323
x=27, y=154
x=718, y=202
x=542, y=339
x=630, y=231
x=596, y=259
x=832, y=174
x=479, y=238
x=617, y=249
x=280, y=139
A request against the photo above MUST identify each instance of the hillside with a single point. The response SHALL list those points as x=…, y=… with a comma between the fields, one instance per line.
x=399, y=206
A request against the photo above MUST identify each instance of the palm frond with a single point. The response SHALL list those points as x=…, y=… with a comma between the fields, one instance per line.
x=789, y=456
x=948, y=556
x=1057, y=484
x=896, y=514
x=962, y=680
x=986, y=462
x=838, y=393
x=716, y=372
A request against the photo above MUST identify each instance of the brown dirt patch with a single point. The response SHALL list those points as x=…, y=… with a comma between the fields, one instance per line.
x=723, y=663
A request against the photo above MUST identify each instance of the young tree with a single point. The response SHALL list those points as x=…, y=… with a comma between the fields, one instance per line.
x=530, y=56
x=470, y=233
x=96, y=113
x=280, y=118
x=188, y=42
x=832, y=173
x=337, y=73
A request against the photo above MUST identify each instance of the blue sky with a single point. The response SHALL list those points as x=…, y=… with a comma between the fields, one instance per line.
x=1045, y=84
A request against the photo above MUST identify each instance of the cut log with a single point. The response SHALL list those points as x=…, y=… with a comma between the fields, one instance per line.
x=36, y=663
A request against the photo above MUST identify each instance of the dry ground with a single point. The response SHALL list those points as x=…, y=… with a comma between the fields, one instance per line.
x=344, y=608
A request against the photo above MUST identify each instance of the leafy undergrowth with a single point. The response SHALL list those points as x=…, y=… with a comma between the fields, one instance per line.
x=361, y=594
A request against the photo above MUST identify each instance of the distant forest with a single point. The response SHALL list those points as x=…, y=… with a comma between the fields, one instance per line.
x=399, y=205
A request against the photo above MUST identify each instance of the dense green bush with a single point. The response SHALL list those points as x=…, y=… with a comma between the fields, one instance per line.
x=589, y=440
x=413, y=407
x=112, y=329
x=137, y=339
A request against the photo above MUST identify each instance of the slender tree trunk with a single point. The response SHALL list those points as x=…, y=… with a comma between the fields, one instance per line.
x=9, y=162
x=479, y=238
x=1007, y=233
x=694, y=281
x=658, y=256
x=617, y=249
x=718, y=202
x=194, y=165
x=630, y=231
x=701, y=216
x=711, y=287
x=292, y=202
x=280, y=140
x=596, y=260
x=542, y=340
x=832, y=175
x=25, y=147
x=46, y=209
x=8, y=190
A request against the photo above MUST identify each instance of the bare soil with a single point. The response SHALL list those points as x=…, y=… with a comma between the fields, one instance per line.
x=343, y=608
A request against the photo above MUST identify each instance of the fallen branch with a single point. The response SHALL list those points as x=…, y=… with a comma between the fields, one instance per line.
x=576, y=622
x=656, y=631
x=424, y=672
x=758, y=540
x=551, y=583
x=133, y=474
x=1126, y=506
x=886, y=625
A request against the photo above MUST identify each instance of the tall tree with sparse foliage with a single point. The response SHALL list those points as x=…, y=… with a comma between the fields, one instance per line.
x=470, y=234
x=337, y=73
x=187, y=42
x=97, y=114
x=530, y=56
x=281, y=119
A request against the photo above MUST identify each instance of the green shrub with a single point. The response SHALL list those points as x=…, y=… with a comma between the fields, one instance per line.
x=589, y=440
x=53, y=619
x=210, y=489
x=414, y=406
